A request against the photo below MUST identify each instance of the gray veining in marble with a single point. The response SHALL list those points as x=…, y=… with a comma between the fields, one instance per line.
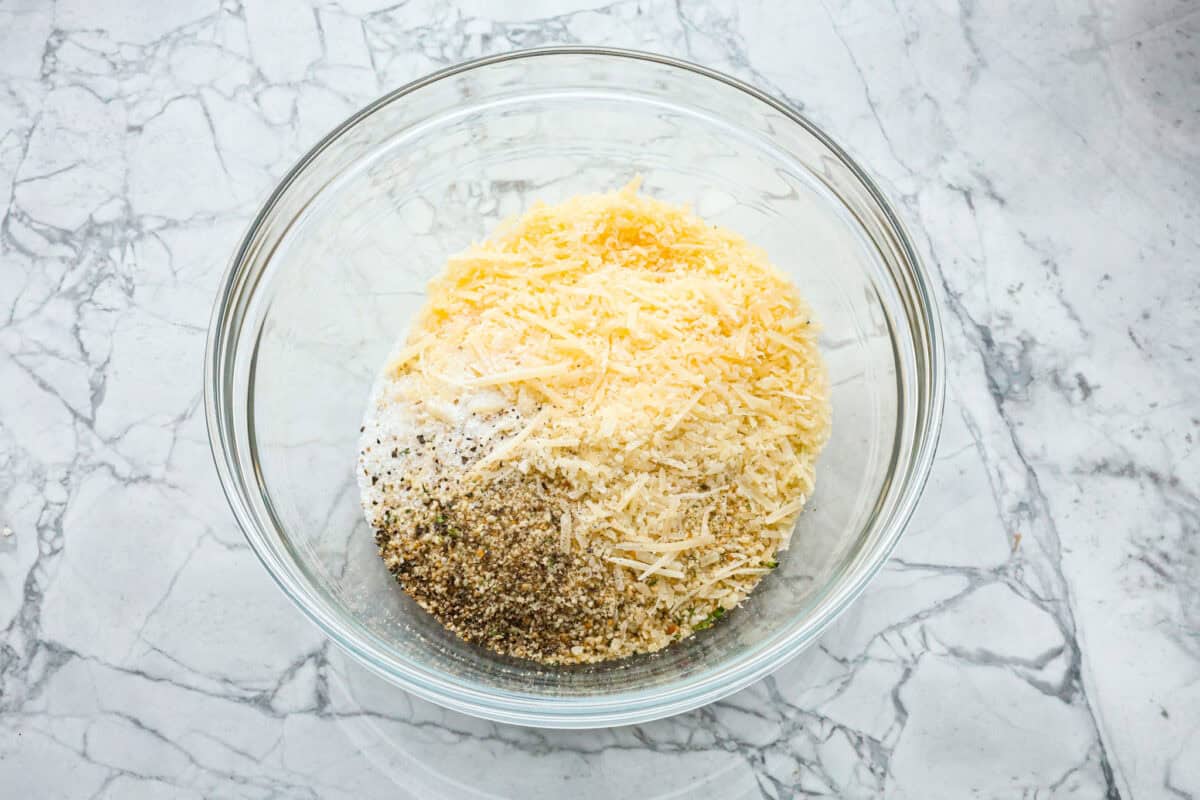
x=1037, y=633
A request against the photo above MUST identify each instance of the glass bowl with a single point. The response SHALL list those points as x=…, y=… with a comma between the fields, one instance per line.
x=335, y=265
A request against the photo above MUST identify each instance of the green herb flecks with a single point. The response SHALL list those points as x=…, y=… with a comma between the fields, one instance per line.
x=712, y=617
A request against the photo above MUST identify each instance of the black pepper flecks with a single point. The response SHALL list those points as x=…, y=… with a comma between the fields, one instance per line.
x=488, y=563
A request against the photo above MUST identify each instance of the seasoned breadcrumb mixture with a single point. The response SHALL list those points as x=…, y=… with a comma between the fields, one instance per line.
x=599, y=433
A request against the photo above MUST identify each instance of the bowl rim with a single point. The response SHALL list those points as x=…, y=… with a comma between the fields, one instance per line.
x=643, y=706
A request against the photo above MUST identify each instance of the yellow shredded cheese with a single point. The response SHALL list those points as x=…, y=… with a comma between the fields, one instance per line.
x=664, y=364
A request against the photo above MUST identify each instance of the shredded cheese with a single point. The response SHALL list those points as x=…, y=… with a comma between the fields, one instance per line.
x=664, y=547
x=666, y=367
x=629, y=562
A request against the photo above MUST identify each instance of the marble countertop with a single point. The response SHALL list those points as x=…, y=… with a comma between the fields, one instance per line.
x=1036, y=634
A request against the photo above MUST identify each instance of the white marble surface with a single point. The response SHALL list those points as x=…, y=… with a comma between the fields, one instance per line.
x=1037, y=633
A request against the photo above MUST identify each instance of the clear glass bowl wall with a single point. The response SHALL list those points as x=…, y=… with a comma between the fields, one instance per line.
x=335, y=267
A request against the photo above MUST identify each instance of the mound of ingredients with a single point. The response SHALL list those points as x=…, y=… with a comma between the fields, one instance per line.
x=597, y=436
